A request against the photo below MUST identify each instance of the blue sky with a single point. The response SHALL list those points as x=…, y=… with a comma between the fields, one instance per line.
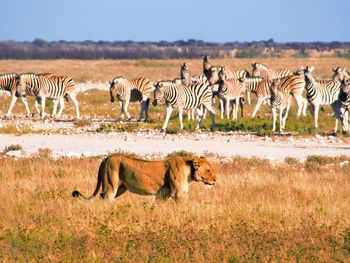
x=155, y=20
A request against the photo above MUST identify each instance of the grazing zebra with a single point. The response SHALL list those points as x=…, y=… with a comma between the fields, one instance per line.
x=230, y=90
x=280, y=100
x=127, y=91
x=262, y=71
x=295, y=85
x=340, y=74
x=54, y=87
x=8, y=82
x=260, y=87
x=184, y=98
x=321, y=93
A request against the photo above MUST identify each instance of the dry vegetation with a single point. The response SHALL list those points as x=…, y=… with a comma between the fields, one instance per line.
x=259, y=211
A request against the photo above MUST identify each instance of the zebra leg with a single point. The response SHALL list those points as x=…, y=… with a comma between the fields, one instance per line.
x=281, y=118
x=180, y=118
x=257, y=106
x=241, y=106
x=126, y=109
x=286, y=115
x=222, y=108
x=143, y=104
x=248, y=98
x=274, y=115
x=200, y=117
x=76, y=104
x=316, y=114
x=37, y=99
x=55, y=103
x=13, y=101
x=304, y=106
x=43, y=98
x=169, y=109
x=24, y=100
x=227, y=109
x=121, y=109
x=338, y=114
x=212, y=114
x=61, y=107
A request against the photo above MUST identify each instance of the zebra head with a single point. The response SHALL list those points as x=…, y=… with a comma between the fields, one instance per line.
x=259, y=70
x=158, y=93
x=185, y=73
x=113, y=89
x=344, y=95
x=340, y=74
x=274, y=90
x=308, y=73
x=214, y=75
x=20, y=86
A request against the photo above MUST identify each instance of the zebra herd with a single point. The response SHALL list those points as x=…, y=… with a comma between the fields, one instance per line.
x=195, y=93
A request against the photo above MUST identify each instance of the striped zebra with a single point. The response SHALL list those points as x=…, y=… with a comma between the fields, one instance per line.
x=230, y=90
x=295, y=85
x=340, y=74
x=280, y=100
x=184, y=97
x=260, y=87
x=343, y=104
x=262, y=71
x=8, y=83
x=238, y=74
x=127, y=91
x=321, y=93
x=50, y=86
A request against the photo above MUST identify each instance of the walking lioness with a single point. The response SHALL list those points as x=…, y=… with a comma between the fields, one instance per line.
x=168, y=178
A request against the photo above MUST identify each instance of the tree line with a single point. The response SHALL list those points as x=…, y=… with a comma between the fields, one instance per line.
x=191, y=48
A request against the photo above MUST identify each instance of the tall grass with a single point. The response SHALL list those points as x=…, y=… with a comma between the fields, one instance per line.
x=259, y=211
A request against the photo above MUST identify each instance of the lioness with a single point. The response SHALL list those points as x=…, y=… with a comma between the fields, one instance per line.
x=168, y=178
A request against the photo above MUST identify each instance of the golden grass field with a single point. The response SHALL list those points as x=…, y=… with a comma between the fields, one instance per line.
x=260, y=211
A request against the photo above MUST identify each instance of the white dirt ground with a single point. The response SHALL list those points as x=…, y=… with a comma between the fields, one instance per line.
x=153, y=144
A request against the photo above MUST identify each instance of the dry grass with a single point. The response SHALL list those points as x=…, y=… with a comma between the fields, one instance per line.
x=259, y=211
x=103, y=70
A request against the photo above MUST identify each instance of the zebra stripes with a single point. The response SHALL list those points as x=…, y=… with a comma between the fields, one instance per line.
x=184, y=98
x=260, y=87
x=262, y=71
x=343, y=104
x=230, y=90
x=8, y=83
x=320, y=93
x=295, y=84
x=186, y=77
x=54, y=87
x=280, y=100
x=127, y=91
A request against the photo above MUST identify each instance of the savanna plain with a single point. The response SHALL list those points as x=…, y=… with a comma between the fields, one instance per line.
x=259, y=211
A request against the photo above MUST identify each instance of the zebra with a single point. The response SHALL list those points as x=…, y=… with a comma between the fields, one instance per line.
x=206, y=66
x=262, y=71
x=343, y=104
x=260, y=87
x=340, y=74
x=238, y=74
x=280, y=99
x=127, y=91
x=55, y=87
x=230, y=90
x=186, y=77
x=295, y=84
x=8, y=83
x=321, y=93
x=184, y=97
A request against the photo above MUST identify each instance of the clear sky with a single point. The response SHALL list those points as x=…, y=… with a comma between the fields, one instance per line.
x=155, y=20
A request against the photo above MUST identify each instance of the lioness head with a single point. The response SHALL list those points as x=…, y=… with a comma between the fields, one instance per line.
x=203, y=171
